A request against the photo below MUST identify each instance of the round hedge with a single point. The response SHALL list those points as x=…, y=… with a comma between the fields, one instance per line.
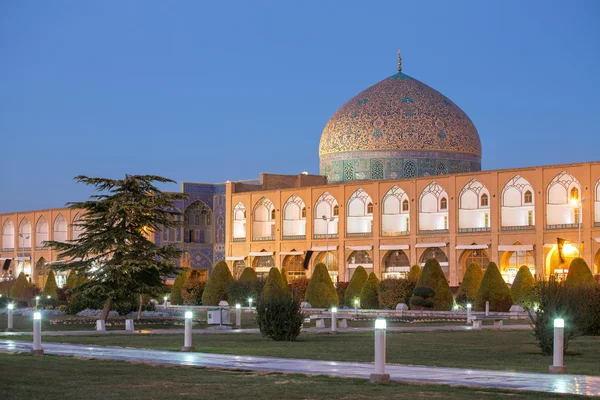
x=320, y=292
x=522, y=288
x=248, y=275
x=579, y=274
x=359, y=277
x=493, y=289
x=216, y=287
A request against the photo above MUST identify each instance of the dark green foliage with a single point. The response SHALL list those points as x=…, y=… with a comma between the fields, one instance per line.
x=275, y=286
x=248, y=275
x=279, y=318
x=470, y=284
x=321, y=292
x=359, y=277
x=72, y=280
x=394, y=291
x=341, y=288
x=114, y=252
x=493, y=289
x=433, y=277
x=555, y=300
x=216, y=287
x=369, y=295
x=50, y=288
x=522, y=288
x=414, y=274
x=298, y=288
x=19, y=290
x=579, y=274
x=192, y=291
x=175, y=295
x=78, y=301
x=422, y=298
x=587, y=316
x=238, y=292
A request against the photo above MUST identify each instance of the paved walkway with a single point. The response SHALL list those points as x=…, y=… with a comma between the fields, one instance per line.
x=570, y=384
x=255, y=330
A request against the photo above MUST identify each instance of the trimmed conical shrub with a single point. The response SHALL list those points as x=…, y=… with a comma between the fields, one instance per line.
x=175, y=295
x=414, y=274
x=216, y=287
x=50, y=288
x=579, y=274
x=275, y=287
x=248, y=275
x=493, y=289
x=284, y=276
x=320, y=292
x=72, y=280
x=522, y=288
x=359, y=277
x=470, y=284
x=433, y=277
x=369, y=295
x=19, y=288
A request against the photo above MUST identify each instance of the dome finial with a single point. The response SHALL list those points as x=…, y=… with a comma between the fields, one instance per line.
x=399, y=62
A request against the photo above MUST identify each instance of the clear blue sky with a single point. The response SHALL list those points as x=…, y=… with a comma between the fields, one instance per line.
x=213, y=91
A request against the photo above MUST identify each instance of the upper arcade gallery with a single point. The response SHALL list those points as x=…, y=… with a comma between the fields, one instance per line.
x=512, y=217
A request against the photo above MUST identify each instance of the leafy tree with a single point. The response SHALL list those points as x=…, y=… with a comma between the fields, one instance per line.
x=433, y=277
x=216, y=287
x=320, y=292
x=279, y=318
x=114, y=253
x=522, y=288
x=19, y=289
x=414, y=274
x=493, y=289
x=359, y=277
x=579, y=274
x=50, y=288
x=369, y=294
x=470, y=284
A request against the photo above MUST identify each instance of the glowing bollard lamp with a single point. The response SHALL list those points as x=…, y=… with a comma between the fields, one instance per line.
x=37, y=301
x=356, y=306
x=238, y=315
x=487, y=308
x=558, y=366
x=187, y=341
x=469, y=306
x=334, y=311
x=380, y=376
x=249, y=303
x=165, y=305
x=37, y=349
x=10, y=308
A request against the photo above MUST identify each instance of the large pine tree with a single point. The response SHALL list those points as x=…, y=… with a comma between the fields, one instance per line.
x=114, y=254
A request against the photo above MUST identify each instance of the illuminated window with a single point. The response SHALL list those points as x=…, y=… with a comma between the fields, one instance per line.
x=445, y=222
x=303, y=212
x=273, y=214
x=484, y=200
x=575, y=193
x=443, y=204
x=336, y=211
x=370, y=208
x=576, y=215
x=530, y=218
x=405, y=205
x=528, y=197
x=486, y=220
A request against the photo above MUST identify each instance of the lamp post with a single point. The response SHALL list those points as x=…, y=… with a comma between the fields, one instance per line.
x=380, y=376
x=334, y=319
x=187, y=339
x=10, y=317
x=558, y=366
x=37, y=349
x=238, y=315
x=250, y=304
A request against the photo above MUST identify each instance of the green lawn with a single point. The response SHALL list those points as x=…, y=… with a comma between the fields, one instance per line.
x=65, y=378
x=501, y=350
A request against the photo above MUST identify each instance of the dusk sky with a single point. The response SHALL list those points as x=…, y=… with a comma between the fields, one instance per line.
x=213, y=91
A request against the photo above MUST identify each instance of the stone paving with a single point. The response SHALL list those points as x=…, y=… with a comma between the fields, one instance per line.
x=569, y=384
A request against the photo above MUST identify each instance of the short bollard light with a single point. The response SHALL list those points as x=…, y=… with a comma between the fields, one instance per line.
x=356, y=306
x=37, y=301
x=250, y=303
x=10, y=308
x=165, y=305
x=487, y=308
x=37, y=349
x=187, y=341
x=48, y=297
x=558, y=366
x=238, y=315
x=379, y=376
x=334, y=311
x=469, y=306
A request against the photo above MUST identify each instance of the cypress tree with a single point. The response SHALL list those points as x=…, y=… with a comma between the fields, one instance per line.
x=216, y=287
x=522, y=288
x=248, y=275
x=19, y=288
x=50, y=288
x=414, y=274
x=433, y=277
x=320, y=292
x=493, y=289
x=359, y=277
x=470, y=284
x=369, y=295
x=579, y=274
x=275, y=286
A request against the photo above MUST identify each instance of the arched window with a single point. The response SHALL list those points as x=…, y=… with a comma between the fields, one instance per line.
x=197, y=221
x=405, y=205
x=528, y=197
x=574, y=194
x=8, y=235
x=303, y=212
x=370, y=208
x=484, y=200
x=293, y=218
x=41, y=232
x=562, y=196
x=60, y=228
x=336, y=211
x=443, y=204
x=325, y=222
x=273, y=214
x=239, y=222
x=359, y=214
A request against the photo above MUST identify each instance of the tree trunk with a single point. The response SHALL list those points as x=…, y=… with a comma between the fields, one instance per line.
x=105, y=310
x=139, y=316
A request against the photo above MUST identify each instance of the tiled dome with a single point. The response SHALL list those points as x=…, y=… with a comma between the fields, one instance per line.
x=398, y=128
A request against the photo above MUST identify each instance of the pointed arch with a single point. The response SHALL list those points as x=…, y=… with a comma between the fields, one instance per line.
x=359, y=222
x=563, y=210
x=597, y=205
x=326, y=217
x=76, y=228
x=8, y=235
x=239, y=222
x=517, y=205
x=474, y=208
x=41, y=232
x=433, y=209
x=60, y=228
x=294, y=225
x=197, y=219
x=395, y=216
x=263, y=225
x=25, y=235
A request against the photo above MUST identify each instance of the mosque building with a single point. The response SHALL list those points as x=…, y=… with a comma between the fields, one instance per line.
x=400, y=182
